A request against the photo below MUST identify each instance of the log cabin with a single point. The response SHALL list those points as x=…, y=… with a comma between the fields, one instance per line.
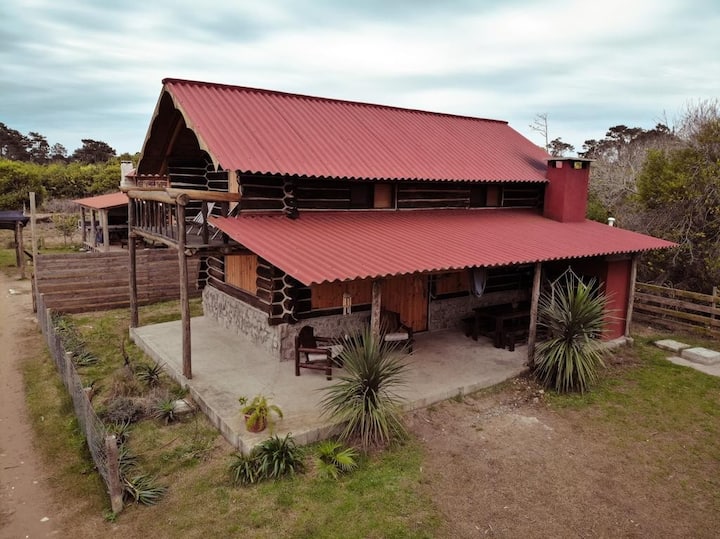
x=313, y=211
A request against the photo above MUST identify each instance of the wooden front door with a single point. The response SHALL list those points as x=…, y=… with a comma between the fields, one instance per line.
x=407, y=295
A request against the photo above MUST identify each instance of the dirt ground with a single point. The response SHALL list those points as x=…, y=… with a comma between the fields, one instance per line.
x=507, y=465
x=26, y=503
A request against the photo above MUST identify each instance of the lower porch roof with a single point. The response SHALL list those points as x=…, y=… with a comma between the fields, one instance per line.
x=348, y=245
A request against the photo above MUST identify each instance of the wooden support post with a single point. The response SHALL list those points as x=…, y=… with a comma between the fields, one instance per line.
x=113, y=469
x=204, y=229
x=83, y=228
x=715, y=294
x=133, y=265
x=375, y=308
x=534, y=301
x=631, y=295
x=19, y=250
x=184, y=303
x=104, y=224
x=32, y=228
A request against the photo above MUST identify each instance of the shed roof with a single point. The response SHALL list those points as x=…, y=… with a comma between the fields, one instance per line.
x=268, y=132
x=102, y=202
x=9, y=218
x=331, y=246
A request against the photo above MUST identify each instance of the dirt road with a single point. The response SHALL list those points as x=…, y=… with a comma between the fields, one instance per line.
x=26, y=506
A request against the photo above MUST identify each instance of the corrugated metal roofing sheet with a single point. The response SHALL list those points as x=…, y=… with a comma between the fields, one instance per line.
x=266, y=132
x=330, y=246
x=101, y=202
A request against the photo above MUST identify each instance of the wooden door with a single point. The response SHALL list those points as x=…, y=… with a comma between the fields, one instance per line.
x=407, y=295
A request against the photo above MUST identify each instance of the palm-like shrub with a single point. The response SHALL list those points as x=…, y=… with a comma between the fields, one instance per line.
x=573, y=314
x=365, y=399
x=278, y=457
x=332, y=459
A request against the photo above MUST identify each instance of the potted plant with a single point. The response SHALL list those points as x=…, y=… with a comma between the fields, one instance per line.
x=258, y=412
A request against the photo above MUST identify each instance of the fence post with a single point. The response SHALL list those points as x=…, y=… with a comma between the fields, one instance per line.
x=113, y=471
x=715, y=295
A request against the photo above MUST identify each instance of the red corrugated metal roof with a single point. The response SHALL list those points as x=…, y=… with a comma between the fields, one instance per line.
x=330, y=246
x=266, y=132
x=101, y=202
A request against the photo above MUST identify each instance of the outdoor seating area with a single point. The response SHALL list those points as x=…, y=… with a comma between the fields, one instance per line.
x=443, y=364
x=507, y=324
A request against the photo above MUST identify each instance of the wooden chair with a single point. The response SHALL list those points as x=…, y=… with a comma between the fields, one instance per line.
x=318, y=351
x=394, y=330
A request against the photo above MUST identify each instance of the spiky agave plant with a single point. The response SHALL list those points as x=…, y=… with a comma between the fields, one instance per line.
x=365, y=400
x=573, y=315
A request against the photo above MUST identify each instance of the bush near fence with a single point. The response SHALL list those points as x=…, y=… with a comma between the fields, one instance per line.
x=102, y=445
x=678, y=309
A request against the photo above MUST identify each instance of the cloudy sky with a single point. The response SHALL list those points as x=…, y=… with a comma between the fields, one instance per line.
x=75, y=69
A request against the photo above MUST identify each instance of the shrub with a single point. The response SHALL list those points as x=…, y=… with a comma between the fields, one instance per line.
x=572, y=313
x=164, y=410
x=365, y=399
x=143, y=489
x=123, y=410
x=149, y=374
x=244, y=469
x=278, y=457
x=332, y=459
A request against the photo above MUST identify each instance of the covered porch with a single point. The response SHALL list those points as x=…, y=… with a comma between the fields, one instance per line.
x=444, y=364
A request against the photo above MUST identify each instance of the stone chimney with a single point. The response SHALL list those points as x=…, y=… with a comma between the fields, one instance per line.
x=566, y=194
x=126, y=167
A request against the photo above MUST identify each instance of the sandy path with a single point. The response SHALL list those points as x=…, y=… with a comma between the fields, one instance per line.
x=26, y=508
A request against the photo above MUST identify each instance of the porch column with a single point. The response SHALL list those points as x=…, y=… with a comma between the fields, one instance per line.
x=105, y=229
x=184, y=303
x=375, y=308
x=532, y=334
x=133, y=264
x=631, y=295
x=84, y=229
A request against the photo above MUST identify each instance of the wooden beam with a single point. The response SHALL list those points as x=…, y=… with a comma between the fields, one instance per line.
x=184, y=302
x=534, y=301
x=156, y=196
x=631, y=296
x=84, y=230
x=375, y=308
x=157, y=237
x=133, y=265
x=207, y=196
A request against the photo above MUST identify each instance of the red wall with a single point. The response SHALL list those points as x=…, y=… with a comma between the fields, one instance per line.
x=567, y=190
x=617, y=289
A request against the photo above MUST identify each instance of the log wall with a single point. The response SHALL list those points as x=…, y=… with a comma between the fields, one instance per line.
x=84, y=282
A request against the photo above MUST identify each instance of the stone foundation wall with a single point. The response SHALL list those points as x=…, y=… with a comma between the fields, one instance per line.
x=448, y=313
x=242, y=319
x=251, y=323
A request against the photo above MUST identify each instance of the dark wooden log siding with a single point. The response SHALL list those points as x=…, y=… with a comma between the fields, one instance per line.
x=457, y=283
x=265, y=192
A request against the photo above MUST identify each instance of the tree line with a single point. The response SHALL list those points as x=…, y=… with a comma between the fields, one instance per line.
x=28, y=163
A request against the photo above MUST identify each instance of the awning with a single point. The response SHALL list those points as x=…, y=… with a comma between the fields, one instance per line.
x=102, y=202
x=330, y=246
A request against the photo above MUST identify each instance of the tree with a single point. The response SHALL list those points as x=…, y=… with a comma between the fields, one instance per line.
x=679, y=192
x=540, y=125
x=13, y=145
x=58, y=152
x=558, y=148
x=93, y=151
x=66, y=224
x=38, y=148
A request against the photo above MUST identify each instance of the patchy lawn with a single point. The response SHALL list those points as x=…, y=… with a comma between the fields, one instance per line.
x=639, y=456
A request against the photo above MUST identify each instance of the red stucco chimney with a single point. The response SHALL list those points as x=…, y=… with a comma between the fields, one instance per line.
x=566, y=193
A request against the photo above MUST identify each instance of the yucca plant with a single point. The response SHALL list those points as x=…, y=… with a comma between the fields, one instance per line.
x=365, y=399
x=165, y=410
x=573, y=315
x=332, y=459
x=278, y=457
x=150, y=374
x=143, y=489
x=244, y=469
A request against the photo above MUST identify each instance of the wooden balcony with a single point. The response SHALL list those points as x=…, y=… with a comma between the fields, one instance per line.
x=178, y=218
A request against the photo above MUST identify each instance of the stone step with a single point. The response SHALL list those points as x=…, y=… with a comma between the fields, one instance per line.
x=701, y=355
x=672, y=346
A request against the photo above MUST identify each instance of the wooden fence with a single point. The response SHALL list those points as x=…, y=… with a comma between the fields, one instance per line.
x=83, y=282
x=678, y=309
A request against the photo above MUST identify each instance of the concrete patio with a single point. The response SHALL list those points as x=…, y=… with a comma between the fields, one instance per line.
x=226, y=366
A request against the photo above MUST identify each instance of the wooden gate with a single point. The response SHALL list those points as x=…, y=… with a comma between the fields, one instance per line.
x=407, y=295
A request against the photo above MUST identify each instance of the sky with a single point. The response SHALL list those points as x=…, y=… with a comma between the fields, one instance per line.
x=75, y=69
